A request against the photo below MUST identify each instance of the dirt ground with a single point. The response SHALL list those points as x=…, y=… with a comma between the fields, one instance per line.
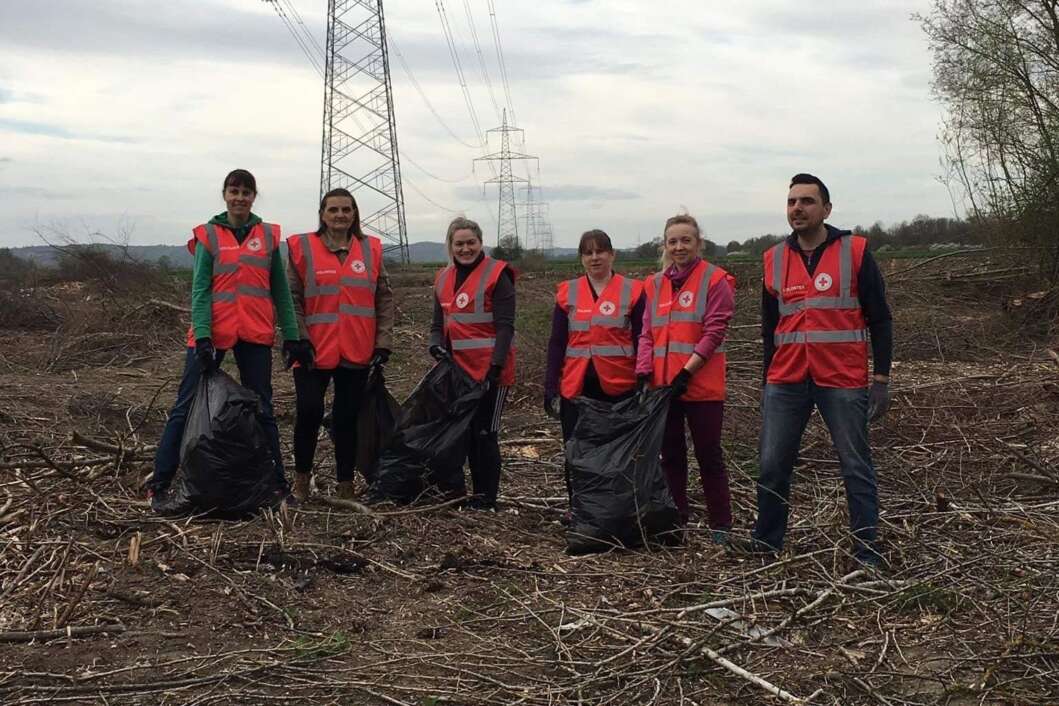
x=102, y=602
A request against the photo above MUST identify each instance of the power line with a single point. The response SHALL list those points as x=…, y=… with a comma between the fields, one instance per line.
x=423, y=95
x=447, y=31
x=481, y=58
x=293, y=29
x=305, y=30
x=430, y=174
x=500, y=60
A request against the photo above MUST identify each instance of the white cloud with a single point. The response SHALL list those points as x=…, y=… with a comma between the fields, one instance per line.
x=134, y=110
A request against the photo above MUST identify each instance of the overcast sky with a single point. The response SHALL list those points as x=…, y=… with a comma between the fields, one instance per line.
x=122, y=116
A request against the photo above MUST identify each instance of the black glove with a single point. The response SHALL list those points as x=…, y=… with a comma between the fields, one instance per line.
x=680, y=382
x=379, y=357
x=492, y=378
x=643, y=386
x=551, y=407
x=439, y=353
x=206, y=354
x=300, y=352
x=878, y=400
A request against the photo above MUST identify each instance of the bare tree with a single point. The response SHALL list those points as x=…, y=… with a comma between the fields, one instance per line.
x=996, y=69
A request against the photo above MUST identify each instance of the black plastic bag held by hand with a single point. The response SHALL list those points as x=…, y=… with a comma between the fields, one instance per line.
x=430, y=443
x=619, y=493
x=376, y=424
x=226, y=467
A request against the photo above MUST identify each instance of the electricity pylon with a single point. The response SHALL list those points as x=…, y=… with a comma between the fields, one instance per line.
x=535, y=214
x=507, y=218
x=359, y=150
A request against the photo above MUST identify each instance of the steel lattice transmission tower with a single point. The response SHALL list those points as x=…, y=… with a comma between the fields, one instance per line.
x=359, y=150
x=507, y=218
x=534, y=212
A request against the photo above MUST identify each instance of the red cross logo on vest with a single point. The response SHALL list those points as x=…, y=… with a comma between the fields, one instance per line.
x=358, y=266
x=823, y=282
x=685, y=299
x=254, y=244
x=607, y=308
x=461, y=300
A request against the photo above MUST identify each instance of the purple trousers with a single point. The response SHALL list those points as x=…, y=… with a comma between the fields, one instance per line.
x=704, y=421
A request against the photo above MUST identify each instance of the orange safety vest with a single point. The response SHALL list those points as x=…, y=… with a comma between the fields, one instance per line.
x=600, y=333
x=676, y=325
x=821, y=333
x=241, y=287
x=339, y=297
x=468, y=315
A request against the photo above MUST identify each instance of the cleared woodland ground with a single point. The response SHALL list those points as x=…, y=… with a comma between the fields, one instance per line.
x=101, y=602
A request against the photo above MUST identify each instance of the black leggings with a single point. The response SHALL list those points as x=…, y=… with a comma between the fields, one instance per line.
x=310, y=386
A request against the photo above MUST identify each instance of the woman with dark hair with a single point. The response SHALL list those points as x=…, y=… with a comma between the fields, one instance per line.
x=474, y=324
x=344, y=306
x=595, y=329
x=689, y=305
x=238, y=289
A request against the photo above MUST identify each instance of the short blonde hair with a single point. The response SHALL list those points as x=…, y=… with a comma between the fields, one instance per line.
x=461, y=223
x=679, y=219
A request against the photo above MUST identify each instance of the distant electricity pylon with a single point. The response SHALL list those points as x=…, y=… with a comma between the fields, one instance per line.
x=535, y=215
x=360, y=135
x=507, y=218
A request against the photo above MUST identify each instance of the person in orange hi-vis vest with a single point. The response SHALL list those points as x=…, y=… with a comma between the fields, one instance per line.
x=823, y=299
x=595, y=330
x=345, y=309
x=474, y=324
x=238, y=290
x=689, y=305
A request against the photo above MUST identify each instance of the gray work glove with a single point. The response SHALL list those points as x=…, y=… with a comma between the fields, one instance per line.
x=878, y=400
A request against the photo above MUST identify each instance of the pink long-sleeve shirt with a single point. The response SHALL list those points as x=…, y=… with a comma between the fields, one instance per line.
x=720, y=307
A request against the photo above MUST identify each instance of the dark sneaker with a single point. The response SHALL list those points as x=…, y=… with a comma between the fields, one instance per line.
x=750, y=547
x=480, y=504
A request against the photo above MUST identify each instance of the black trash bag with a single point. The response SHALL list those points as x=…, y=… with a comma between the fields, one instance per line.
x=429, y=445
x=376, y=423
x=226, y=465
x=619, y=492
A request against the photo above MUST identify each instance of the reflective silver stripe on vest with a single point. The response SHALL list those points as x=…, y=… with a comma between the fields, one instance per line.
x=311, y=288
x=600, y=351
x=214, y=247
x=269, y=236
x=467, y=344
x=313, y=319
x=574, y=295
x=254, y=261
x=224, y=296
x=845, y=299
x=620, y=319
x=351, y=310
x=656, y=318
x=245, y=290
x=369, y=263
x=353, y=282
x=685, y=348
x=820, y=337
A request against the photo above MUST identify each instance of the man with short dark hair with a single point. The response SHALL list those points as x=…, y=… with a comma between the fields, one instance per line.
x=823, y=295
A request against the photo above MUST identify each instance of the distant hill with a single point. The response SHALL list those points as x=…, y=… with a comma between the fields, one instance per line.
x=177, y=256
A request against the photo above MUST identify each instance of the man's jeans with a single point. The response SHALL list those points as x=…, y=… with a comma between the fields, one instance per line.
x=255, y=372
x=785, y=413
